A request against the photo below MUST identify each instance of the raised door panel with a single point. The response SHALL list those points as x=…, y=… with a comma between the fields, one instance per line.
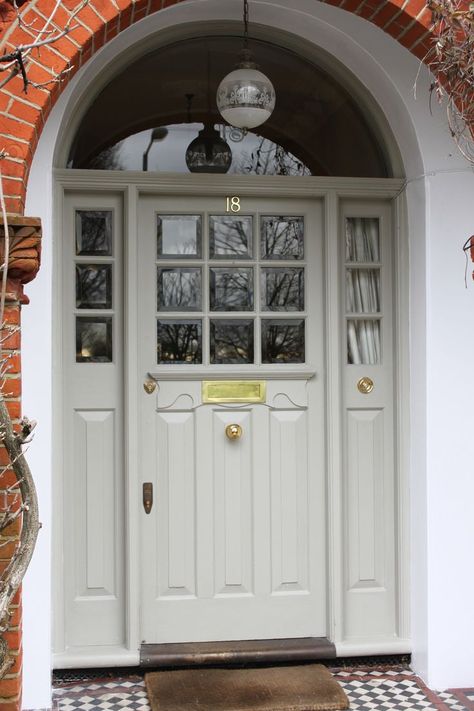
x=95, y=584
x=233, y=505
x=289, y=501
x=174, y=464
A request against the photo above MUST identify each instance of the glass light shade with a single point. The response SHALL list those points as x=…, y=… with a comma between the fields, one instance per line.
x=246, y=97
x=208, y=153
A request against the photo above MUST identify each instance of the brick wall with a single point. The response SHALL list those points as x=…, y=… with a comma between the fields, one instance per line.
x=25, y=242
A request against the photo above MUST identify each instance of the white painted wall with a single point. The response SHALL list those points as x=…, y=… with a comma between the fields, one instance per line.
x=441, y=332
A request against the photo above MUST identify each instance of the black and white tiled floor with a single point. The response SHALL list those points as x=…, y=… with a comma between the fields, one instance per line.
x=370, y=688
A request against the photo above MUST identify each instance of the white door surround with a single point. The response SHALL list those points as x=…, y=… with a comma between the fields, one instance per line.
x=363, y=197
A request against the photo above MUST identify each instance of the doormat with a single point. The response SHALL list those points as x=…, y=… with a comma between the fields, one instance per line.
x=287, y=688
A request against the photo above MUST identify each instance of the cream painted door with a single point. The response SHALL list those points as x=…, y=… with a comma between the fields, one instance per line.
x=234, y=545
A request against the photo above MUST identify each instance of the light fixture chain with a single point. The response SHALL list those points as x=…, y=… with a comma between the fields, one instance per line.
x=246, y=23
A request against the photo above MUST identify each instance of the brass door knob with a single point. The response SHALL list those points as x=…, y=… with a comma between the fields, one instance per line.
x=149, y=386
x=233, y=431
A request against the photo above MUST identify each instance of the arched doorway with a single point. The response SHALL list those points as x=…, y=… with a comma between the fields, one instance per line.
x=255, y=522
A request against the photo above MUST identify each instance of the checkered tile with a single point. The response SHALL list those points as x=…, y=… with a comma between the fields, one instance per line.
x=367, y=689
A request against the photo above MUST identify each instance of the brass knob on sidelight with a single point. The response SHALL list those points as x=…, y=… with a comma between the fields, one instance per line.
x=233, y=431
x=365, y=385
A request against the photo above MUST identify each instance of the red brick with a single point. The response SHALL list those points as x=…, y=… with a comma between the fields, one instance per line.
x=350, y=5
x=14, y=408
x=11, y=705
x=15, y=128
x=11, y=315
x=413, y=36
x=7, y=549
x=17, y=663
x=10, y=341
x=105, y=9
x=16, y=205
x=13, y=639
x=68, y=49
x=11, y=186
x=11, y=387
x=9, y=688
x=125, y=18
x=7, y=478
x=24, y=111
x=90, y=18
x=80, y=35
x=396, y=27
x=14, y=364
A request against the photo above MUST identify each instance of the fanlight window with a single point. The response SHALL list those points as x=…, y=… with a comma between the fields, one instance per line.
x=317, y=127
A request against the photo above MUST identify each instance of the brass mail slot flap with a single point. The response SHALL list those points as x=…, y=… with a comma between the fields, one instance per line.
x=234, y=390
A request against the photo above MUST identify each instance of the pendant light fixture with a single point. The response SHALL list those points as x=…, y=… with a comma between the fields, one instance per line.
x=246, y=97
x=208, y=152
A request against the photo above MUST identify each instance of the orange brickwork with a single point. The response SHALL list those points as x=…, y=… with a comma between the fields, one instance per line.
x=25, y=244
x=23, y=115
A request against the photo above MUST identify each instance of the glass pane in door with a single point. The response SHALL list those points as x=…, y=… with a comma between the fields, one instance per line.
x=283, y=341
x=231, y=289
x=179, y=341
x=179, y=289
x=231, y=341
x=230, y=237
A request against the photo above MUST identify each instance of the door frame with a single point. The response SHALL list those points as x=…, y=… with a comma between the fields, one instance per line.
x=330, y=190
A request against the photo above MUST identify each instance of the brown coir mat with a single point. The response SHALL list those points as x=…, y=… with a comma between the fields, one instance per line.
x=296, y=688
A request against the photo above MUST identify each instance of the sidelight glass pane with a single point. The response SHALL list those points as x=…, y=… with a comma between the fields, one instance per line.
x=363, y=342
x=283, y=341
x=282, y=289
x=362, y=291
x=179, y=236
x=94, y=286
x=94, y=232
x=231, y=289
x=281, y=237
x=179, y=289
x=231, y=341
x=230, y=237
x=362, y=239
x=179, y=341
x=93, y=339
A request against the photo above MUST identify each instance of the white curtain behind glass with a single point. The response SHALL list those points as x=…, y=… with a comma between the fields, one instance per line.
x=363, y=290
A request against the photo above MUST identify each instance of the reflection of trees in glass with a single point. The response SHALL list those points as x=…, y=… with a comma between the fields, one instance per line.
x=93, y=340
x=179, y=342
x=94, y=232
x=108, y=159
x=231, y=341
x=270, y=159
x=179, y=288
x=231, y=289
x=93, y=286
x=179, y=235
x=230, y=236
x=283, y=289
x=282, y=237
x=283, y=342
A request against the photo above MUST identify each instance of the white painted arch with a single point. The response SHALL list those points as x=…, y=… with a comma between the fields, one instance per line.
x=432, y=170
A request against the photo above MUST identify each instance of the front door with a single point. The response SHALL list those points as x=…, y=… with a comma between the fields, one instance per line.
x=230, y=320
